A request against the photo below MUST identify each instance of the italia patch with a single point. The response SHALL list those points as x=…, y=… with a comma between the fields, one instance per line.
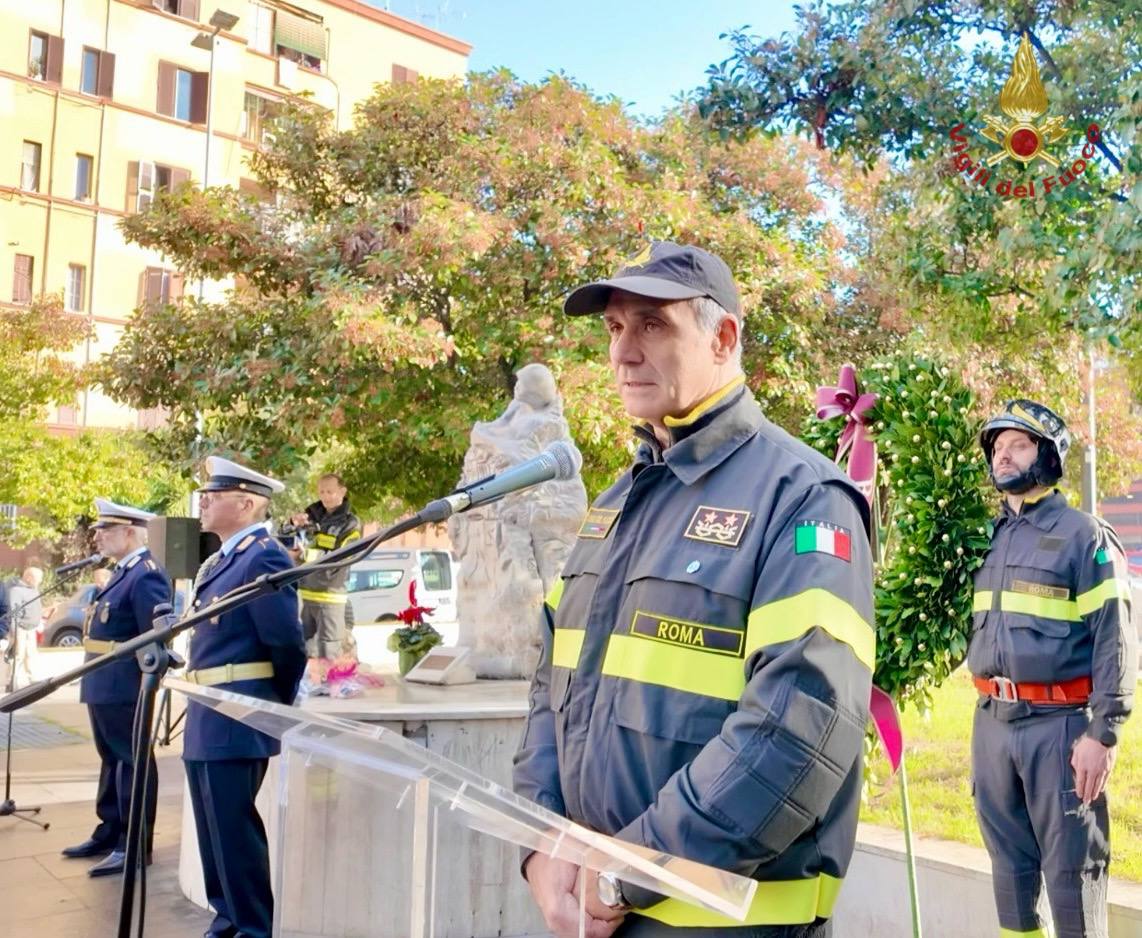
x=822, y=537
x=598, y=523
x=721, y=526
x=696, y=635
x=1044, y=590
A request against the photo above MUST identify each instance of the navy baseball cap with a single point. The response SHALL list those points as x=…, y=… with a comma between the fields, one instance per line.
x=662, y=270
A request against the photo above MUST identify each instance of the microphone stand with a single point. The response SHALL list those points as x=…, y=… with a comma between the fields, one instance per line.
x=155, y=659
x=8, y=806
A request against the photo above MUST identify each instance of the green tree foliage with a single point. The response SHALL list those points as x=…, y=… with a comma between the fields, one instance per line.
x=948, y=262
x=34, y=370
x=400, y=272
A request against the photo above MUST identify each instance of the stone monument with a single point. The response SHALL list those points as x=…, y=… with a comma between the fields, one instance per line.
x=512, y=551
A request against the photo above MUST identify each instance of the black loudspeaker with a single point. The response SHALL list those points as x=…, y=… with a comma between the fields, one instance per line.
x=180, y=545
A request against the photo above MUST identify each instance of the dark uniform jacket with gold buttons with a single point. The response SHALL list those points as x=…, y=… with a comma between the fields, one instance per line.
x=1052, y=603
x=265, y=630
x=707, y=657
x=122, y=610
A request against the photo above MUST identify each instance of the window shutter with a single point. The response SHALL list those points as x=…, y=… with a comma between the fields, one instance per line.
x=151, y=294
x=188, y=9
x=175, y=284
x=199, y=92
x=105, y=83
x=178, y=177
x=299, y=34
x=165, y=103
x=22, y=279
x=53, y=70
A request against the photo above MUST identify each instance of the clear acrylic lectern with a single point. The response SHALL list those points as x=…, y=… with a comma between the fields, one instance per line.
x=376, y=836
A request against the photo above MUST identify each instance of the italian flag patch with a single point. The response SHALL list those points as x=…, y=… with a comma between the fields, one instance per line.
x=820, y=537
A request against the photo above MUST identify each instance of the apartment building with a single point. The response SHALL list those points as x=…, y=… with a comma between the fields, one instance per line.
x=104, y=103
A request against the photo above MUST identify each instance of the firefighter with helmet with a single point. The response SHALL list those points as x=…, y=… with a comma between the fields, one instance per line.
x=1053, y=657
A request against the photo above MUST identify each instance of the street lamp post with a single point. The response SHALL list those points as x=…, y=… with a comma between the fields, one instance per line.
x=208, y=41
x=220, y=20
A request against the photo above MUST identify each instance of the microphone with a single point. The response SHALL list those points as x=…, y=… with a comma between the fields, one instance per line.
x=560, y=460
x=92, y=561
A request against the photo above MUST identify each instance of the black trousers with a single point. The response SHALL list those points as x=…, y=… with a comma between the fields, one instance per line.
x=111, y=728
x=232, y=844
x=1034, y=825
x=639, y=926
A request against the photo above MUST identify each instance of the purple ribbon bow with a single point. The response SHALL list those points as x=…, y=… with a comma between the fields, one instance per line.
x=855, y=440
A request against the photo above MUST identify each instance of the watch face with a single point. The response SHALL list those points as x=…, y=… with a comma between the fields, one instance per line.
x=609, y=892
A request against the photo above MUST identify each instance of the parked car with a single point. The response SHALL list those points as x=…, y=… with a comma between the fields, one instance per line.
x=65, y=627
x=378, y=585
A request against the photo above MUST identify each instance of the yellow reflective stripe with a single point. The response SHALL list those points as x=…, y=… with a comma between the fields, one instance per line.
x=786, y=619
x=1033, y=933
x=685, y=669
x=555, y=594
x=704, y=405
x=1107, y=590
x=981, y=601
x=783, y=902
x=325, y=540
x=1041, y=606
x=311, y=554
x=320, y=596
x=353, y=536
x=565, y=650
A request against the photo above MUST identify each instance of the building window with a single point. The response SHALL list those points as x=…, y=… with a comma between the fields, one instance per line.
x=257, y=115
x=97, y=73
x=151, y=418
x=187, y=9
x=300, y=39
x=159, y=286
x=38, y=56
x=403, y=75
x=261, y=38
x=76, y=287
x=182, y=93
x=45, y=56
x=146, y=179
x=8, y=513
x=84, y=166
x=89, y=71
x=67, y=414
x=22, y=278
x=30, y=168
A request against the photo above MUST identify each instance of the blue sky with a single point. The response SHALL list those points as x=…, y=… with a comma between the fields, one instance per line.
x=642, y=51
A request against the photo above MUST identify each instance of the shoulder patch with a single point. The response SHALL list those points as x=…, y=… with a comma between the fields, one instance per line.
x=598, y=523
x=245, y=542
x=822, y=537
x=134, y=560
x=151, y=565
x=721, y=526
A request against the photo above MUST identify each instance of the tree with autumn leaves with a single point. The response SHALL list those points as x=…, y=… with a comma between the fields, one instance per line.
x=398, y=274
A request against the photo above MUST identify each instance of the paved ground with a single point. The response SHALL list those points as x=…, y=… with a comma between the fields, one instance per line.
x=54, y=765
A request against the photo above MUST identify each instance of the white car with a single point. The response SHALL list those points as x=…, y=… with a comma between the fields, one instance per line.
x=378, y=585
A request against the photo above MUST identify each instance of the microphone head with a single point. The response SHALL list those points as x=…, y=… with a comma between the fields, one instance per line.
x=568, y=460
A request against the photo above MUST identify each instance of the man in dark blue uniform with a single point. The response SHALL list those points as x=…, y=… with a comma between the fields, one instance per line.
x=257, y=650
x=121, y=610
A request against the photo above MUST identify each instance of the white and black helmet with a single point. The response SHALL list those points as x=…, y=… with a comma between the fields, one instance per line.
x=1042, y=424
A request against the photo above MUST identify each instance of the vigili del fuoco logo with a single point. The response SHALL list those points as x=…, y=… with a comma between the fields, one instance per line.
x=1023, y=138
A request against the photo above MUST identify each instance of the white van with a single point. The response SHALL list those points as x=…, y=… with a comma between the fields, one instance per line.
x=378, y=585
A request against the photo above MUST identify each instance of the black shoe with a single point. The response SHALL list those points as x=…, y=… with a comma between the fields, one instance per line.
x=89, y=848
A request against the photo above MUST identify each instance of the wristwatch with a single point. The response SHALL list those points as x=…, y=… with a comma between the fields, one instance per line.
x=610, y=891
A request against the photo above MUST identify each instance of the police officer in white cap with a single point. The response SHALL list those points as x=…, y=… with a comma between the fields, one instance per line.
x=257, y=650
x=121, y=610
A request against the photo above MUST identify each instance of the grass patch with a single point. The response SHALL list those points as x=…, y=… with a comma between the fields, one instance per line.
x=938, y=750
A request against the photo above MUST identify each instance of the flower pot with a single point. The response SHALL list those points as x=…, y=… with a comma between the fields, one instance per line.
x=406, y=660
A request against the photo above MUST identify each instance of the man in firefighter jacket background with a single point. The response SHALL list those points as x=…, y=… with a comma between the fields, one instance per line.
x=322, y=593
x=1053, y=657
x=707, y=655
